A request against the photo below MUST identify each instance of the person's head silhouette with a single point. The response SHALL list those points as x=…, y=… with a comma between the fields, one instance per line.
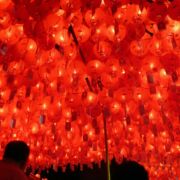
x=17, y=152
x=130, y=170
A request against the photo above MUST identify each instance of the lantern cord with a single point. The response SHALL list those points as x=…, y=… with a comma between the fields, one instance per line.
x=174, y=44
x=28, y=91
x=141, y=6
x=100, y=85
x=82, y=55
x=89, y=84
x=150, y=1
x=107, y=150
x=150, y=33
x=12, y=94
x=71, y=30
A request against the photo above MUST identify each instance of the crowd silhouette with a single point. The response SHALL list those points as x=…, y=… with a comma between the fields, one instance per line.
x=127, y=170
x=12, y=167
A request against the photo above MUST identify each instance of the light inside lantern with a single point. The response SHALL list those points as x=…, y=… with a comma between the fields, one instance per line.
x=69, y=68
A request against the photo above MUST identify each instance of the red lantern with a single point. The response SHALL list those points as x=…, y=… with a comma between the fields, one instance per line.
x=157, y=12
x=69, y=5
x=170, y=62
x=62, y=38
x=82, y=33
x=139, y=48
x=95, y=67
x=68, y=68
x=5, y=19
x=174, y=10
x=102, y=50
x=4, y=4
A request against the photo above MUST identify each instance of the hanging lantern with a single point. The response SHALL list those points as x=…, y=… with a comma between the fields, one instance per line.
x=89, y=77
x=4, y=4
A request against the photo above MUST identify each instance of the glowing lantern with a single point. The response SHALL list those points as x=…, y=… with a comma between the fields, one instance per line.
x=5, y=19
x=139, y=48
x=95, y=67
x=62, y=38
x=83, y=33
x=4, y=4
x=157, y=12
x=91, y=99
x=173, y=10
x=102, y=49
x=121, y=33
x=76, y=73
x=35, y=128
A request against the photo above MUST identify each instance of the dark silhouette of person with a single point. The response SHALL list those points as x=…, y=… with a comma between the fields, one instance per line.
x=128, y=170
x=14, y=161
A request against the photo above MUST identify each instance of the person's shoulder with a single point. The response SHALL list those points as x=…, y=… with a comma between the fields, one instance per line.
x=10, y=171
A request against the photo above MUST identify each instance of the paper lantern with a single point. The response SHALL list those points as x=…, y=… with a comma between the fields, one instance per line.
x=4, y=4
x=76, y=73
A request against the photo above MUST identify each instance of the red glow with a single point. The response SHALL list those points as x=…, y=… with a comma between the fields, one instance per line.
x=60, y=67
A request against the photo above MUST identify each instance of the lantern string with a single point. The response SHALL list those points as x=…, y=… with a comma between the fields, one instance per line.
x=147, y=31
x=71, y=30
x=100, y=85
x=105, y=114
x=89, y=84
x=150, y=33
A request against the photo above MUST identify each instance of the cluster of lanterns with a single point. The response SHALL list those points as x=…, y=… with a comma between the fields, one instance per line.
x=67, y=66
